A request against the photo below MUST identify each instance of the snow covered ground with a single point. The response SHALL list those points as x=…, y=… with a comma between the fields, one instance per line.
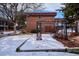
x=11, y=32
x=68, y=30
x=9, y=44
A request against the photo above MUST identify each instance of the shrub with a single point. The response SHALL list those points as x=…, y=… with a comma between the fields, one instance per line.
x=35, y=31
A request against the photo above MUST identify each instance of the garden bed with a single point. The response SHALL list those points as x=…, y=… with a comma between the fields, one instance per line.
x=70, y=42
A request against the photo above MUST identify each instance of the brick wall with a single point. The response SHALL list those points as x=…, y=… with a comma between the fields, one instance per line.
x=32, y=23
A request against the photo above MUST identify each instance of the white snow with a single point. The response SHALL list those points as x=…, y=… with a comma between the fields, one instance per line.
x=10, y=32
x=68, y=30
x=9, y=44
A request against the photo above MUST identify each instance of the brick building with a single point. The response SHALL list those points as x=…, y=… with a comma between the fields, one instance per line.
x=47, y=21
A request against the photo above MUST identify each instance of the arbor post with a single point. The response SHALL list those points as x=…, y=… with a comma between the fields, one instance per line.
x=39, y=37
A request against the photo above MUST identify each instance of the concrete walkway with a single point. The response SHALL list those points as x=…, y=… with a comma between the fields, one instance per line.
x=47, y=42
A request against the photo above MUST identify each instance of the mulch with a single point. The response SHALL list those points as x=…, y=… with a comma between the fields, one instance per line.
x=68, y=43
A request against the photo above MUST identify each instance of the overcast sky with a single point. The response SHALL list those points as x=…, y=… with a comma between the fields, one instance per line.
x=52, y=7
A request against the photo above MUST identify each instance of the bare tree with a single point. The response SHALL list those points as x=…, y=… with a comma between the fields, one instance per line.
x=10, y=10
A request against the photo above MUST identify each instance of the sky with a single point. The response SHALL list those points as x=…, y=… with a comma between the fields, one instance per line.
x=52, y=7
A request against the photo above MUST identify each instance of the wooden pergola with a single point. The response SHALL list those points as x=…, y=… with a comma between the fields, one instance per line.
x=54, y=23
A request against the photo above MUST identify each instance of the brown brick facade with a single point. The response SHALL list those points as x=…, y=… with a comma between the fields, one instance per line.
x=46, y=20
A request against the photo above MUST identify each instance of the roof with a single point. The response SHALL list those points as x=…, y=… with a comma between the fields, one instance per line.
x=41, y=14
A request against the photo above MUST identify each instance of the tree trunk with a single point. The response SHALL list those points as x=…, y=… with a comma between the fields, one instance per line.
x=72, y=28
x=76, y=27
x=65, y=30
x=14, y=24
x=14, y=28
